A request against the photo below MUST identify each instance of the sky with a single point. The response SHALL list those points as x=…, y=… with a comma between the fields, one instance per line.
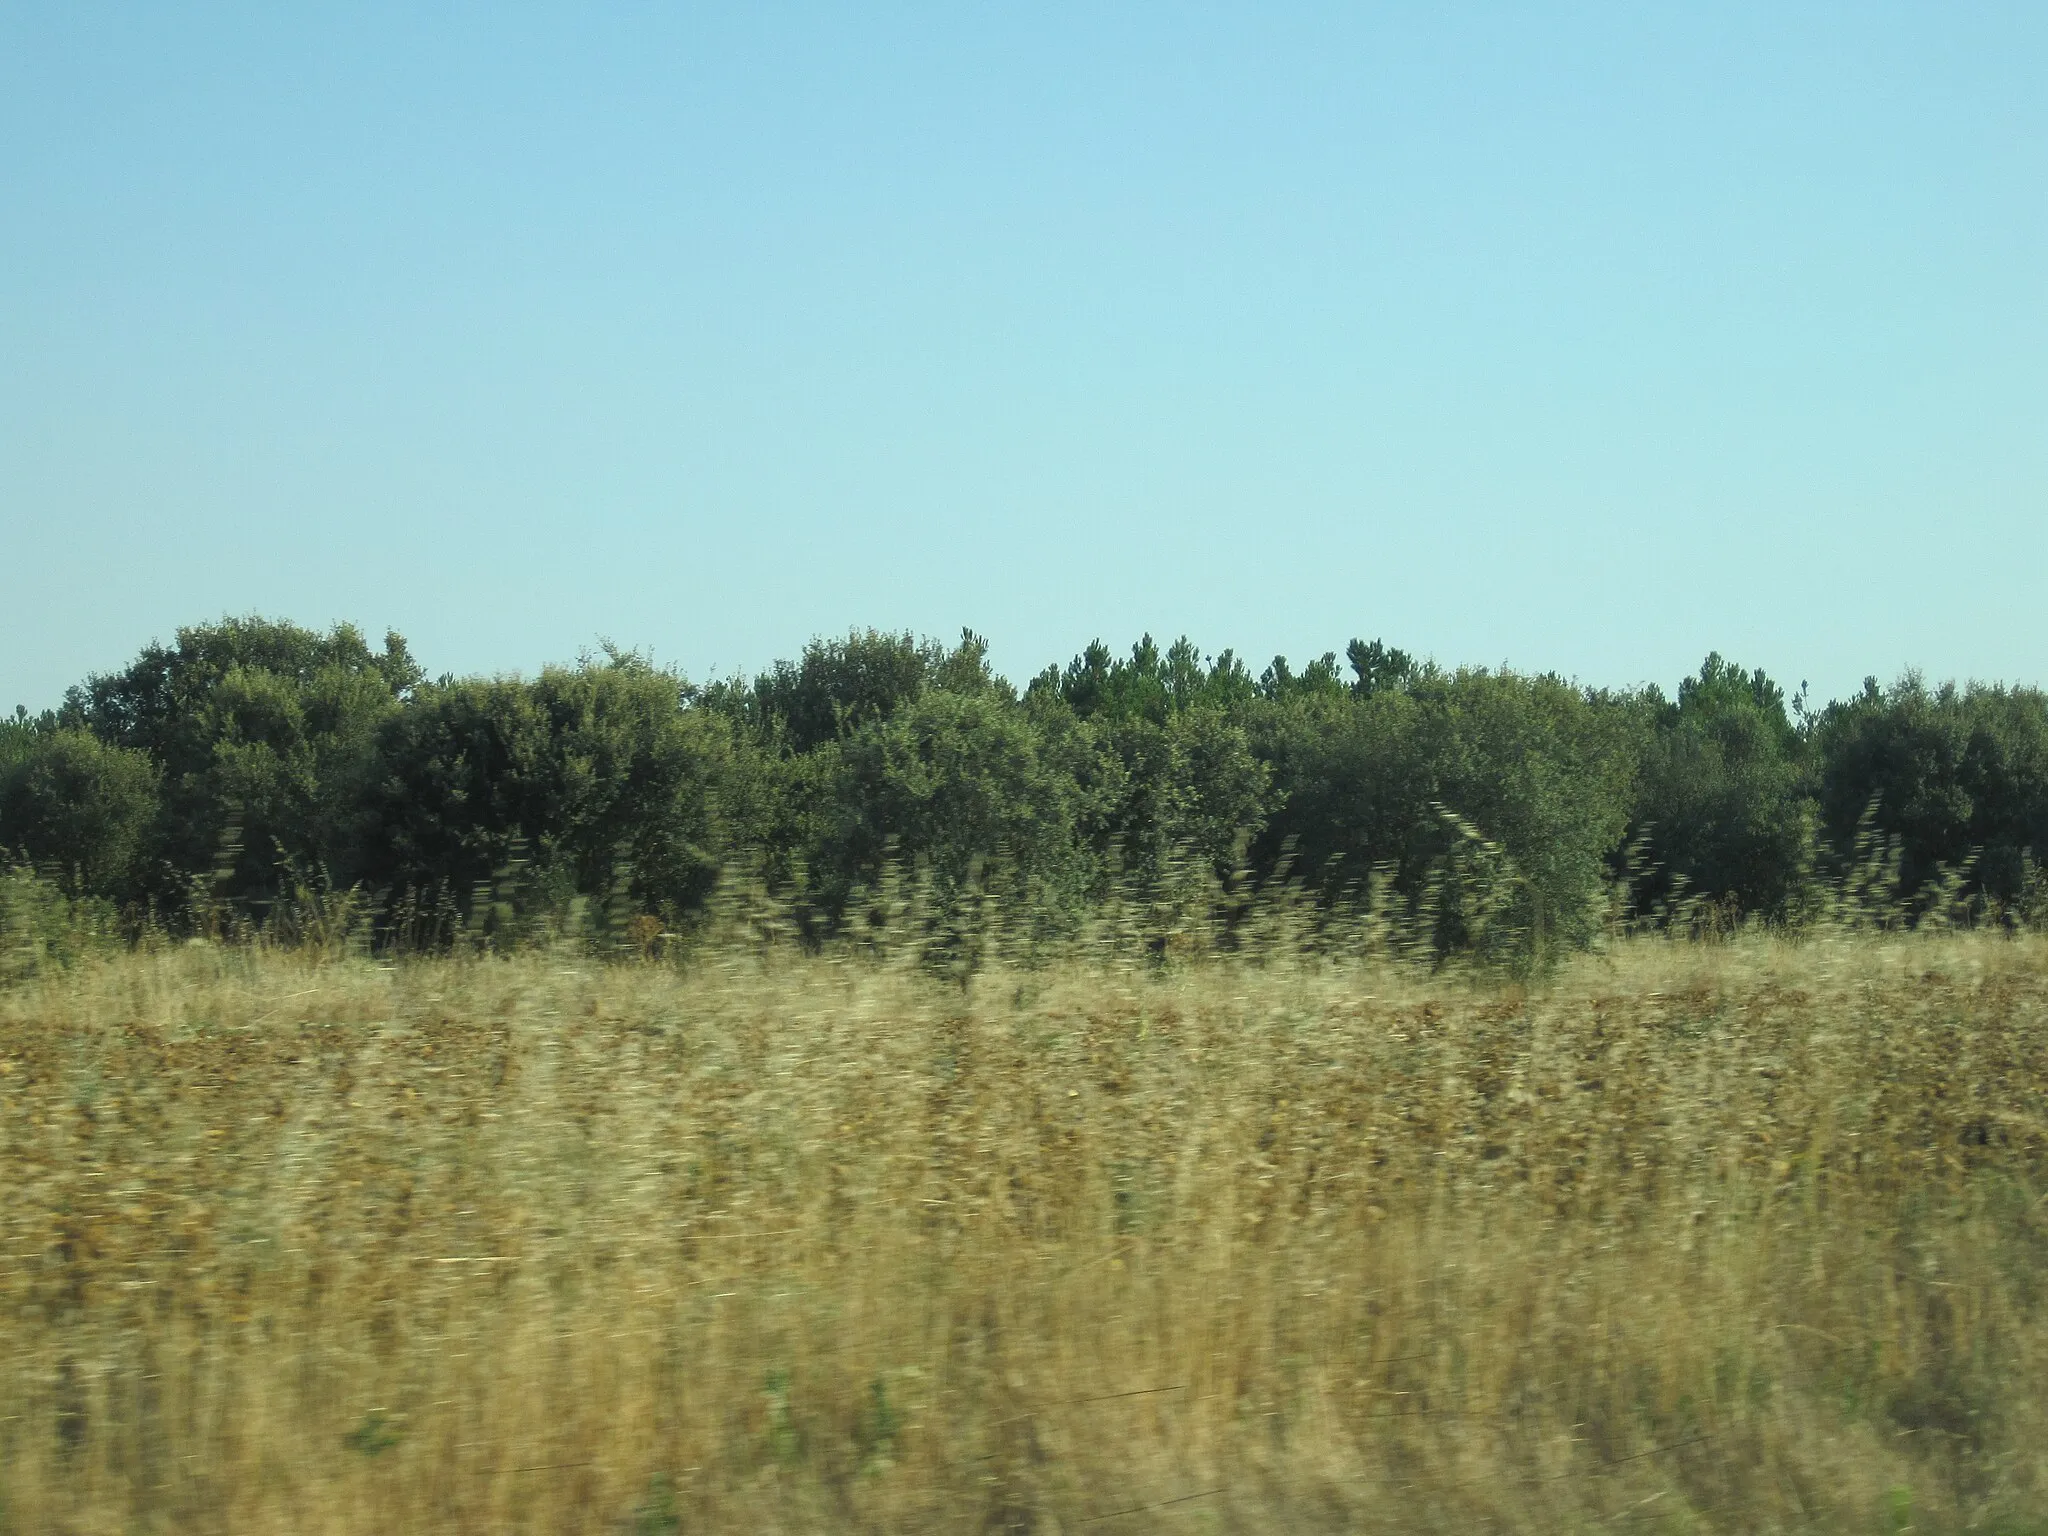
x=1585, y=338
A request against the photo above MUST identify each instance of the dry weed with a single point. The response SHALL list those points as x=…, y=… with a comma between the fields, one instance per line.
x=1743, y=1237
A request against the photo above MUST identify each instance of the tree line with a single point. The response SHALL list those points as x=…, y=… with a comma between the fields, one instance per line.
x=252, y=761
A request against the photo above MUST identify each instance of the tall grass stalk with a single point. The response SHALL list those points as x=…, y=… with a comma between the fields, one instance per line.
x=1741, y=1237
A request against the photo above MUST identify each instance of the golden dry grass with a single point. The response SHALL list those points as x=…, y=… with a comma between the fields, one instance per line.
x=1735, y=1238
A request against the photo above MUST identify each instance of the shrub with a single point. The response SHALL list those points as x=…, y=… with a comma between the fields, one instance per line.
x=582, y=781
x=80, y=810
x=1723, y=808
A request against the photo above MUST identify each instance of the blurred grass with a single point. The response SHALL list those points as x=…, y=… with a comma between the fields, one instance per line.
x=1742, y=1236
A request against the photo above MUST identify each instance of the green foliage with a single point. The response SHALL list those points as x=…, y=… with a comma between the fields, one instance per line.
x=79, y=809
x=1189, y=787
x=1361, y=783
x=951, y=781
x=258, y=775
x=658, y=1513
x=375, y=1434
x=840, y=685
x=1152, y=685
x=1375, y=668
x=42, y=926
x=261, y=734
x=583, y=780
x=785, y=1436
x=1320, y=679
x=1723, y=808
x=1955, y=776
x=18, y=734
x=877, y=1428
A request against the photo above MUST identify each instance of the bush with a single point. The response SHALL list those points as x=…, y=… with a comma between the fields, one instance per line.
x=1189, y=788
x=1723, y=809
x=840, y=685
x=41, y=925
x=1954, y=776
x=256, y=774
x=80, y=810
x=589, y=781
x=1363, y=781
x=952, y=781
x=260, y=733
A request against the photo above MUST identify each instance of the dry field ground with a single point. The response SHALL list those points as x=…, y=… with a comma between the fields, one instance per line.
x=1744, y=1237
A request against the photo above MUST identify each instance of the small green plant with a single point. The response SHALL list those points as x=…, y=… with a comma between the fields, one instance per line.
x=374, y=1436
x=657, y=1514
x=41, y=927
x=879, y=1425
x=785, y=1441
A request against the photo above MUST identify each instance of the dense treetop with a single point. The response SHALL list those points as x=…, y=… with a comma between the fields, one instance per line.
x=253, y=758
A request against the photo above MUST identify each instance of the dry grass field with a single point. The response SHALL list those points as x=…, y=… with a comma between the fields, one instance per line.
x=1742, y=1237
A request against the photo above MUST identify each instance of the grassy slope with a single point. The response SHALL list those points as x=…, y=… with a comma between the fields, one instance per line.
x=1734, y=1238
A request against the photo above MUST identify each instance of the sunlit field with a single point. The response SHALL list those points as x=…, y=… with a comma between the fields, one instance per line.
x=1691, y=1237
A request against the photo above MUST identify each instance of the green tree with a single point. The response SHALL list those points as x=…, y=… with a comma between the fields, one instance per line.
x=837, y=686
x=1362, y=780
x=1160, y=792
x=261, y=732
x=78, y=809
x=951, y=780
x=1281, y=684
x=1954, y=774
x=1150, y=685
x=1377, y=668
x=1723, y=806
x=571, y=773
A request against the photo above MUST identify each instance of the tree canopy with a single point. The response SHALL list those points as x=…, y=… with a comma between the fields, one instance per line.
x=251, y=755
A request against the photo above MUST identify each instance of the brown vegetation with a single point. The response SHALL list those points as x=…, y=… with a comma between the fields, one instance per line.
x=1737, y=1238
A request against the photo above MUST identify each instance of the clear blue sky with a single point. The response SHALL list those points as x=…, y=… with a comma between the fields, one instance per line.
x=1585, y=337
